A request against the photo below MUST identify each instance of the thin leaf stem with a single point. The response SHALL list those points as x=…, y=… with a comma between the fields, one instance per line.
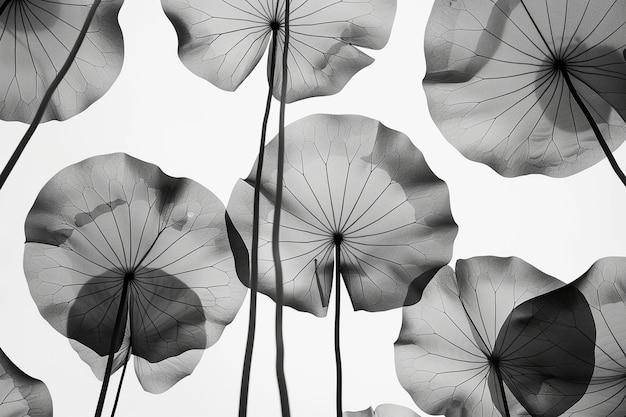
x=48, y=96
x=594, y=126
x=117, y=332
x=280, y=348
x=501, y=384
x=119, y=387
x=254, y=268
x=338, y=366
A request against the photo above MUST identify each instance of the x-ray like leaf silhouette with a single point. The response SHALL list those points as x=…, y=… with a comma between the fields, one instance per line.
x=352, y=183
x=498, y=81
x=36, y=37
x=223, y=40
x=21, y=395
x=492, y=340
x=604, y=287
x=385, y=410
x=113, y=235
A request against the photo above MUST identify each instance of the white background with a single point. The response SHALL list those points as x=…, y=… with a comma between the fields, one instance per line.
x=160, y=112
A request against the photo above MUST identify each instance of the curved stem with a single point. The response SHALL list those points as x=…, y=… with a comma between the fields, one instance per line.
x=594, y=126
x=337, y=330
x=254, y=269
x=280, y=349
x=117, y=331
x=48, y=96
x=119, y=387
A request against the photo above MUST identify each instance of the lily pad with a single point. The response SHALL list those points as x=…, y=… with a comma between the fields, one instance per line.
x=498, y=338
x=496, y=81
x=113, y=234
x=222, y=41
x=36, y=37
x=353, y=183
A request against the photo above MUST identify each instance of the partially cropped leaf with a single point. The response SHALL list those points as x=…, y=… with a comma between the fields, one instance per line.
x=496, y=88
x=113, y=221
x=492, y=340
x=223, y=40
x=36, y=37
x=385, y=410
x=21, y=395
x=352, y=182
x=604, y=287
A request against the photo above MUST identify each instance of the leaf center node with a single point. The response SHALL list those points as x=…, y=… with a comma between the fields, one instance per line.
x=129, y=277
x=494, y=360
x=275, y=25
x=559, y=65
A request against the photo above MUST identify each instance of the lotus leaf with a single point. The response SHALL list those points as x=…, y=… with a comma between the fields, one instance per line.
x=114, y=236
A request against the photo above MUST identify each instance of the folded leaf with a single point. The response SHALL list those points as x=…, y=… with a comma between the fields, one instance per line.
x=604, y=287
x=493, y=340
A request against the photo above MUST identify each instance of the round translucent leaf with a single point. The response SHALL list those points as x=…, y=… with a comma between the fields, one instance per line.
x=222, y=41
x=36, y=37
x=496, y=88
x=114, y=221
x=487, y=338
x=352, y=182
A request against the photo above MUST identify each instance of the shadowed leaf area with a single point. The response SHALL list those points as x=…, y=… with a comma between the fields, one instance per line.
x=164, y=316
x=21, y=395
x=496, y=338
x=115, y=231
x=352, y=182
x=36, y=37
x=604, y=287
x=496, y=85
x=222, y=41
x=545, y=352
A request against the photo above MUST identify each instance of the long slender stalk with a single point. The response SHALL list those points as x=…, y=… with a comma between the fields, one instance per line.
x=501, y=384
x=280, y=348
x=119, y=387
x=338, y=328
x=117, y=331
x=254, y=269
x=594, y=126
x=48, y=96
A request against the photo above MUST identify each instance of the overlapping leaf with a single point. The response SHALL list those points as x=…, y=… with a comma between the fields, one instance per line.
x=604, y=287
x=493, y=340
x=496, y=89
x=36, y=37
x=384, y=410
x=114, y=221
x=350, y=181
x=21, y=395
x=222, y=41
